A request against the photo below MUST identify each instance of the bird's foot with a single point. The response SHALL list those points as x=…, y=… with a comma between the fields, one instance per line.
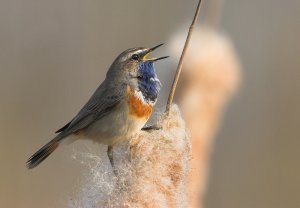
x=151, y=128
x=111, y=159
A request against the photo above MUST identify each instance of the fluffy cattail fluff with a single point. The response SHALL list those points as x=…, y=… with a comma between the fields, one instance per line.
x=152, y=170
x=209, y=78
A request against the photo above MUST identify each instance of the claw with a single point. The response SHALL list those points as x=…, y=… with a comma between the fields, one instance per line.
x=151, y=128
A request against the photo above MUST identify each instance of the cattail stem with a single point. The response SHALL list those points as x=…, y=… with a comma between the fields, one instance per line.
x=179, y=67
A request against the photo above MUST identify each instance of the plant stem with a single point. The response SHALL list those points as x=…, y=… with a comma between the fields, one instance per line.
x=179, y=67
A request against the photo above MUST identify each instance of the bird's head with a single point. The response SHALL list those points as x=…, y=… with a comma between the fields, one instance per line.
x=137, y=70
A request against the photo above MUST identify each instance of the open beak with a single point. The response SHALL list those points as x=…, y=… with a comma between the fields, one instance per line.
x=149, y=51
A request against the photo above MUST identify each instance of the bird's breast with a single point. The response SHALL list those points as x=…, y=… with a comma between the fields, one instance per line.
x=138, y=105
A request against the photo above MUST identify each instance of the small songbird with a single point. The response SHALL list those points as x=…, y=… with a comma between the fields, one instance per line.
x=117, y=110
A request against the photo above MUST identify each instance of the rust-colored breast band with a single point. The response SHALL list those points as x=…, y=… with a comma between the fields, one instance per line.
x=137, y=107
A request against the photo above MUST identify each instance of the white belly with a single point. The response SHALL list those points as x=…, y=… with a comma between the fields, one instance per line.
x=116, y=126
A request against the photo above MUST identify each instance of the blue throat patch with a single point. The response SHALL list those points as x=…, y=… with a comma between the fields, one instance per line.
x=148, y=82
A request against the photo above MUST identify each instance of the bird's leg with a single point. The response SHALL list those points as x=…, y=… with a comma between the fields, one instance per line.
x=150, y=128
x=110, y=155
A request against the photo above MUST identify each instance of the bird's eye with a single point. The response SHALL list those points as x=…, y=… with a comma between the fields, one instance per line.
x=135, y=57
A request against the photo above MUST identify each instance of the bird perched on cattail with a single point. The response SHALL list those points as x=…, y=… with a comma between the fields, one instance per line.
x=118, y=109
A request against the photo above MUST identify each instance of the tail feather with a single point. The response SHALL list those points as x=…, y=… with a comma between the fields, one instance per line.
x=42, y=154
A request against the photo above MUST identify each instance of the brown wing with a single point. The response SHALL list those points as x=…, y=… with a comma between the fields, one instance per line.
x=103, y=101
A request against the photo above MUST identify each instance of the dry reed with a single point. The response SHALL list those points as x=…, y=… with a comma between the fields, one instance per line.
x=152, y=170
x=210, y=77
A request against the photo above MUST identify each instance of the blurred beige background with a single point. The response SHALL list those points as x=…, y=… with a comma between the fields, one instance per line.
x=53, y=54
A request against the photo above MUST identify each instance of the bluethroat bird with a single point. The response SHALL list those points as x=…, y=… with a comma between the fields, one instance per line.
x=117, y=110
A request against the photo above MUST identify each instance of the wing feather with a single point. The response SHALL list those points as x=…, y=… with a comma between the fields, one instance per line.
x=103, y=101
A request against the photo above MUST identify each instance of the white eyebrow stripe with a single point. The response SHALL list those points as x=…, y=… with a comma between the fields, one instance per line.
x=140, y=51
